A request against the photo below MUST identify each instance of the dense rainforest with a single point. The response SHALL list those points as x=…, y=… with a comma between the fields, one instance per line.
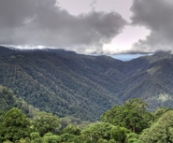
x=65, y=83
x=127, y=123
x=130, y=122
x=55, y=96
x=42, y=80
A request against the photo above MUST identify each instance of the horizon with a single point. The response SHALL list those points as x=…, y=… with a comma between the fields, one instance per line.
x=119, y=56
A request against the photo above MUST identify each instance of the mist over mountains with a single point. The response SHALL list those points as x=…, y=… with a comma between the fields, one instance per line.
x=85, y=86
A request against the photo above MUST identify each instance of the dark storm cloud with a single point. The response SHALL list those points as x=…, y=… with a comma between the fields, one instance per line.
x=156, y=15
x=40, y=22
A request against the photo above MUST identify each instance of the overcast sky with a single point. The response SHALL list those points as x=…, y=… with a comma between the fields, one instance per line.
x=88, y=26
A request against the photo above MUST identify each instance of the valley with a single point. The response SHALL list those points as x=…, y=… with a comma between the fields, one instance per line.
x=83, y=86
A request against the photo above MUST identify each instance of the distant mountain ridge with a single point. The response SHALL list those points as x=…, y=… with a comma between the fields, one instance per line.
x=84, y=86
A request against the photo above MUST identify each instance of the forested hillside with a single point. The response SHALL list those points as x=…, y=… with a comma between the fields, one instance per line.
x=84, y=86
x=152, y=80
x=9, y=100
x=45, y=82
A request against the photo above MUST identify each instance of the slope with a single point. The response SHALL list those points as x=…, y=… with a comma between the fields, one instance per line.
x=45, y=82
x=152, y=82
x=9, y=100
x=85, y=86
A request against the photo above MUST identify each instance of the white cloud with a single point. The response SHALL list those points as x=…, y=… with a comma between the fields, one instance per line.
x=124, y=41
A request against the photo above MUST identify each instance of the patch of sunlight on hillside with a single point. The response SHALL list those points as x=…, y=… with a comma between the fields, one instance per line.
x=153, y=70
x=164, y=97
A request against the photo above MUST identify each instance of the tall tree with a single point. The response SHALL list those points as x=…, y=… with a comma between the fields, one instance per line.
x=15, y=125
x=131, y=115
x=161, y=131
x=46, y=122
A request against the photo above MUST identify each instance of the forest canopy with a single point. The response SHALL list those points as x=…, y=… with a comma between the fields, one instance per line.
x=127, y=123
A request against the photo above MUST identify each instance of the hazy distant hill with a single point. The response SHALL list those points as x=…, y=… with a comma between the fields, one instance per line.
x=66, y=83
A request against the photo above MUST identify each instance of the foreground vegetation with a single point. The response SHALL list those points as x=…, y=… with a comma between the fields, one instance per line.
x=128, y=123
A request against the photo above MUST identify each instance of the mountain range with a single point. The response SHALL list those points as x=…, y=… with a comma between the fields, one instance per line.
x=84, y=86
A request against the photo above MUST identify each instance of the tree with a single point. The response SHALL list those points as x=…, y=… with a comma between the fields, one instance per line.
x=50, y=138
x=131, y=115
x=45, y=122
x=119, y=134
x=26, y=140
x=71, y=129
x=35, y=137
x=159, y=112
x=96, y=131
x=66, y=138
x=161, y=131
x=15, y=125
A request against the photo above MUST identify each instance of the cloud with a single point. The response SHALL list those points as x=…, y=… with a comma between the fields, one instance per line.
x=92, y=4
x=41, y=22
x=157, y=16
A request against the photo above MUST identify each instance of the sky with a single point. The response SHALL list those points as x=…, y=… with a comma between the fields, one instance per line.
x=88, y=26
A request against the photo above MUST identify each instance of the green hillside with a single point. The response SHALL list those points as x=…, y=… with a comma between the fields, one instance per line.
x=84, y=86
x=47, y=83
x=152, y=82
x=9, y=100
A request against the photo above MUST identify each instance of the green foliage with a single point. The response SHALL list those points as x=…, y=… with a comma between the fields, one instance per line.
x=1, y=116
x=16, y=128
x=15, y=125
x=71, y=129
x=7, y=141
x=45, y=122
x=133, y=138
x=75, y=121
x=101, y=140
x=50, y=138
x=119, y=134
x=9, y=100
x=26, y=140
x=159, y=112
x=66, y=137
x=131, y=115
x=35, y=137
x=96, y=131
x=161, y=131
